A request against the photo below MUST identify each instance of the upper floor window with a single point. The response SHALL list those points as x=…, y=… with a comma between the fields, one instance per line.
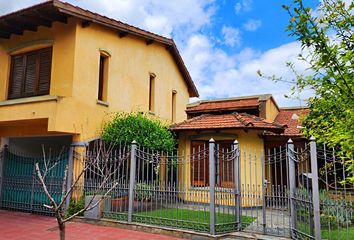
x=30, y=74
x=173, y=107
x=103, y=77
x=152, y=92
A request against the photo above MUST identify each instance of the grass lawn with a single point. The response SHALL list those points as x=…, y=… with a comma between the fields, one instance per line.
x=190, y=219
x=338, y=234
x=335, y=233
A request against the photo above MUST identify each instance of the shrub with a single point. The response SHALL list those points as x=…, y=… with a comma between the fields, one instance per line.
x=334, y=211
x=75, y=206
x=147, y=131
x=143, y=192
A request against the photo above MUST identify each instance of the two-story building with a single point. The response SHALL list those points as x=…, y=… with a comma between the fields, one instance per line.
x=63, y=72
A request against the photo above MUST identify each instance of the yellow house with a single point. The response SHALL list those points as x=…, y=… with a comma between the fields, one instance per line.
x=245, y=119
x=64, y=69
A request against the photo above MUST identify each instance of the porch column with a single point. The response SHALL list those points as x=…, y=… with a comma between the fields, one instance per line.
x=69, y=180
x=76, y=164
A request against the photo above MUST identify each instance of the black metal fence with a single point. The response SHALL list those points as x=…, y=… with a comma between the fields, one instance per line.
x=216, y=188
x=171, y=189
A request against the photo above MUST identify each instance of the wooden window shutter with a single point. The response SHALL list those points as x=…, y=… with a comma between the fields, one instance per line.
x=101, y=78
x=226, y=165
x=45, y=68
x=199, y=164
x=29, y=84
x=30, y=74
x=16, y=77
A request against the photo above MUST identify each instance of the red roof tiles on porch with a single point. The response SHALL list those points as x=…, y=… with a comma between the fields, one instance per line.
x=224, y=105
x=228, y=121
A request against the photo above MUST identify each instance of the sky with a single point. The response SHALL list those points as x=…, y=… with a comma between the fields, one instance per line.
x=223, y=42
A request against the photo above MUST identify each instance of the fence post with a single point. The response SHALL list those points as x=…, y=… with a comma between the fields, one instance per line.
x=264, y=189
x=2, y=161
x=292, y=184
x=236, y=148
x=212, y=185
x=315, y=190
x=132, y=180
x=69, y=180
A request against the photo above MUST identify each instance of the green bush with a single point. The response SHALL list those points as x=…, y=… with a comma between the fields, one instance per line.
x=334, y=211
x=146, y=130
x=75, y=206
x=143, y=192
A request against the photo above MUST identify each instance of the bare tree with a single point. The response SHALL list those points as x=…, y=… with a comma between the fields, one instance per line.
x=100, y=163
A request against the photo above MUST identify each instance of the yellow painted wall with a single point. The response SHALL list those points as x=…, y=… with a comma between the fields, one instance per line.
x=62, y=36
x=75, y=79
x=271, y=110
x=252, y=151
x=75, y=69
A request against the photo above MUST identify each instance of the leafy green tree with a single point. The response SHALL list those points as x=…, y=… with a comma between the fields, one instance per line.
x=147, y=131
x=326, y=35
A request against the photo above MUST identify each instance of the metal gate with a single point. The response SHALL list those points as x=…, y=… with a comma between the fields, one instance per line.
x=286, y=202
x=19, y=185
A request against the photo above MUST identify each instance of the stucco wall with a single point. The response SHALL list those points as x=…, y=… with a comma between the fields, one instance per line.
x=271, y=110
x=75, y=69
x=62, y=37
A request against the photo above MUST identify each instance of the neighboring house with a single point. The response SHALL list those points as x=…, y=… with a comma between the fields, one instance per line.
x=65, y=69
x=256, y=122
x=292, y=118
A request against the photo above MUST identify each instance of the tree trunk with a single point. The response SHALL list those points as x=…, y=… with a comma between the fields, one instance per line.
x=61, y=230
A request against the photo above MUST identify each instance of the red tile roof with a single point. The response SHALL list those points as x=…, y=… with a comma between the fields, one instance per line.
x=292, y=118
x=55, y=10
x=224, y=105
x=228, y=121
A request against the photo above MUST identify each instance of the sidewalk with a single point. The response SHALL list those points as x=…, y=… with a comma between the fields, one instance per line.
x=17, y=225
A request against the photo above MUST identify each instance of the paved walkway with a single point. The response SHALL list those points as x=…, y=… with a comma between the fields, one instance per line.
x=277, y=221
x=17, y=225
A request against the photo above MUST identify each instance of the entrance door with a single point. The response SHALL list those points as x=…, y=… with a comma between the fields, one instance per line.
x=199, y=164
x=225, y=165
x=224, y=169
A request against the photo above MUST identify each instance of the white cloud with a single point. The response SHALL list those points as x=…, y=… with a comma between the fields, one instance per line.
x=220, y=75
x=162, y=17
x=232, y=36
x=243, y=6
x=252, y=25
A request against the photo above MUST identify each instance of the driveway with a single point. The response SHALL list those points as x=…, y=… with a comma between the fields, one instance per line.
x=17, y=225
